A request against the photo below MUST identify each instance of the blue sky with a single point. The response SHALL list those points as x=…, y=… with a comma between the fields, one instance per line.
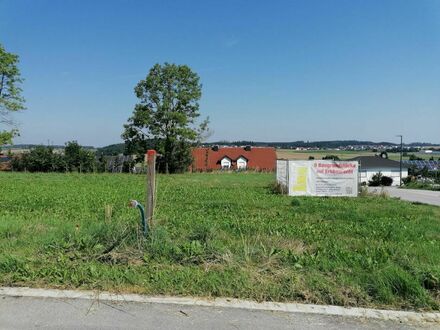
x=271, y=70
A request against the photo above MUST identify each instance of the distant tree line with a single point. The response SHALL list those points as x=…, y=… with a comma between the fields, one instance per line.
x=389, y=147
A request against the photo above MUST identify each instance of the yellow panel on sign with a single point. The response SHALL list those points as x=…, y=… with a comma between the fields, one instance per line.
x=301, y=179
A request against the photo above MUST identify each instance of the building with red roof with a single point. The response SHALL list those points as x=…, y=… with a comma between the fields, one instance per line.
x=234, y=158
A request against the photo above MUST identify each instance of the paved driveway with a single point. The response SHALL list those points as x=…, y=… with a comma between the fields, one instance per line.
x=411, y=195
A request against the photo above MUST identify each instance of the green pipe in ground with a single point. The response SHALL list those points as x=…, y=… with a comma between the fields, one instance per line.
x=135, y=203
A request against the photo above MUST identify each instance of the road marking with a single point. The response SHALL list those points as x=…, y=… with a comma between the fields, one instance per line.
x=402, y=316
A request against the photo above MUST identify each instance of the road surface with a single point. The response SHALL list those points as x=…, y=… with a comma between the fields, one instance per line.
x=411, y=195
x=63, y=313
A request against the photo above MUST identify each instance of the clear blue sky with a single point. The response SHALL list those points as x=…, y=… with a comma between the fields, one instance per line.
x=271, y=70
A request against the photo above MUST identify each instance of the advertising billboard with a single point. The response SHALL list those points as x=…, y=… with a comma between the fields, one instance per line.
x=319, y=177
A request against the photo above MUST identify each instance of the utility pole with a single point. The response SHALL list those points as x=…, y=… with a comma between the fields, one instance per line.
x=401, y=149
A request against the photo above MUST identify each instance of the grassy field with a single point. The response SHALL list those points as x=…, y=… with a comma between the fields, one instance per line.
x=218, y=235
x=343, y=154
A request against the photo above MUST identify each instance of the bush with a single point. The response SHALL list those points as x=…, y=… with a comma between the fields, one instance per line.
x=330, y=157
x=277, y=188
x=408, y=180
x=386, y=181
x=375, y=180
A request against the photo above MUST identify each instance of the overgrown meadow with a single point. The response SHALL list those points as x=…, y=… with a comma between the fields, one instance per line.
x=214, y=235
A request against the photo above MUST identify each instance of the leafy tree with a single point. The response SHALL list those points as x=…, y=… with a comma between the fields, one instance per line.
x=78, y=159
x=72, y=152
x=166, y=116
x=40, y=159
x=59, y=163
x=101, y=164
x=87, y=161
x=10, y=93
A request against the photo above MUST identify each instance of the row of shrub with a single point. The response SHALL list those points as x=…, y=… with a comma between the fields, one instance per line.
x=46, y=159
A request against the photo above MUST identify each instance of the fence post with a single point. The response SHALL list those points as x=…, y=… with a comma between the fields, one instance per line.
x=151, y=185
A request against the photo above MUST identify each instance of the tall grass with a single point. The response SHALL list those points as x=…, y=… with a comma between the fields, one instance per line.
x=218, y=235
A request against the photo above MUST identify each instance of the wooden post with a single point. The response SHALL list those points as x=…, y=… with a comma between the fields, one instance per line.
x=151, y=185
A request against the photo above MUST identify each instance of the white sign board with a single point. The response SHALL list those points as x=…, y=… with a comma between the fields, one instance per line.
x=282, y=173
x=318, y=177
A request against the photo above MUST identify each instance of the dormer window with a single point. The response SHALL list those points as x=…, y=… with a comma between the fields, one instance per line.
x=226, y=163
x=242, y=163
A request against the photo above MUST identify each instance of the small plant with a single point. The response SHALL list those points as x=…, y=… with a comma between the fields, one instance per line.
x=363, y=192
x=278, y=188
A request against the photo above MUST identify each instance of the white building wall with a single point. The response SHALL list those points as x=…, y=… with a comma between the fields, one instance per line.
x=241, y=163
x=366, y=175
x=225, y=163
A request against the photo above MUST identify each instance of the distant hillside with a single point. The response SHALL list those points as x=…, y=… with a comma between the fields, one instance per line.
x=30, y=146
x=119, y=148
x=115, y=149
x=112, y=149
x=314, y=144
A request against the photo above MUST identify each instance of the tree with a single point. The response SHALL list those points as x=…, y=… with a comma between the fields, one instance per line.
x=166, y=116
x=78, y=159
x=40, y=159
x=10, y=93
x=72, y=152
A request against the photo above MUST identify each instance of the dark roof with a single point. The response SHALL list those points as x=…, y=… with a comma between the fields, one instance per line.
x=367, y=162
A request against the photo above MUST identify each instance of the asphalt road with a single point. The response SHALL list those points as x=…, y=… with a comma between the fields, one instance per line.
x=411, y=195
x=52, y=313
